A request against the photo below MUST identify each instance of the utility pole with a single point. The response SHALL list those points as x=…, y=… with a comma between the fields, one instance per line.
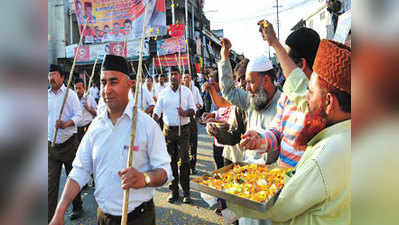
x=278, y=22
x=278, y=19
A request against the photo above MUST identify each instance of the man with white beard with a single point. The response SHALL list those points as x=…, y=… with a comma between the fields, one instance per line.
x=259, y=100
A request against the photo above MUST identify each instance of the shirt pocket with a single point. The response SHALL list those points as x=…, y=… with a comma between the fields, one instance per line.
x=140, y=158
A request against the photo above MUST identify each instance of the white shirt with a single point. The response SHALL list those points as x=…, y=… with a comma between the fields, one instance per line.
x=160, y=88
x=168, y=103
x=72, y=111
x=104, y=151
x=94, y=92
x=153, y=93
x=144, y=100
x=87, y=117
x=196, y=95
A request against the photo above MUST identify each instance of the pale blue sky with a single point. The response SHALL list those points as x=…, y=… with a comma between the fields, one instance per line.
x=239, y=18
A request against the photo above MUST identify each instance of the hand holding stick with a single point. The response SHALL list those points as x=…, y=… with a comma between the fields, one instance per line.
x=125, y=206
x=69, y=82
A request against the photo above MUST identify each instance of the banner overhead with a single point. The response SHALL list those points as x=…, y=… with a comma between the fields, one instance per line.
x=171, y=45
x=113, y=20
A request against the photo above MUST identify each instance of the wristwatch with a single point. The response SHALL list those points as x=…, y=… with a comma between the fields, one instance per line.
x=147, y=179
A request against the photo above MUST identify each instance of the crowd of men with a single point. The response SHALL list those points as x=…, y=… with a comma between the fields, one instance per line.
x=297, y=116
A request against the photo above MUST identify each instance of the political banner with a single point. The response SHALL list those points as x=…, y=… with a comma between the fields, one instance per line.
x=171, y=45
x=113, y=20
x=171, y=60
x=88, y=53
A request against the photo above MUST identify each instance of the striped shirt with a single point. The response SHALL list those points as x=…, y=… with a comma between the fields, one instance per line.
x=285, y=128
x=288, y=122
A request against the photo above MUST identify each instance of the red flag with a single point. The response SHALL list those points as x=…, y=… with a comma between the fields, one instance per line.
x=176, y=30
x=83, y=54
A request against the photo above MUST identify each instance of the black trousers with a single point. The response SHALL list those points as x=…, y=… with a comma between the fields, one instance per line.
x=178, y=149
x=143, y=215
x=193, y=142
x=60, y=155
x=82, y=131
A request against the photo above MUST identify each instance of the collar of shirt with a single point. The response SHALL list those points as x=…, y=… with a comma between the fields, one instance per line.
x=60, y=91
x=330, y=131
x=275, y=98
x=128, y=112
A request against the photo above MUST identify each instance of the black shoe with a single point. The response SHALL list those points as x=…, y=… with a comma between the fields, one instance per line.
x=173, y=198
x=187, y=199
x=76, y=214
x=194, y=172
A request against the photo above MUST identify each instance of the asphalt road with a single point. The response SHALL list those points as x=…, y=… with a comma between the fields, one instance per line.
x=166, y=213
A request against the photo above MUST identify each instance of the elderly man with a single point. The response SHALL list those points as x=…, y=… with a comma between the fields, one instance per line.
x=260, y=98
x=317, y=191
x=104, y=152
x=287, y=131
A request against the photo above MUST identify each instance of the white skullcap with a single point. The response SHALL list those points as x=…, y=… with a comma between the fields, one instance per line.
x=259, y=64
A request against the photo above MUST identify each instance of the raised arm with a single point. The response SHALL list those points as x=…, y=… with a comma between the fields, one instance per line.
x=218, y=100
x=232, y=94
x=268, y=34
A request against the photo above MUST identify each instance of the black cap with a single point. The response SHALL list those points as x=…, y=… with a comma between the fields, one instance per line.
x=186, y=72
x=162, y=75
x=55, y=68
x=115, y=63
x=132, y=76
x=174, y=69
x=304, y=43
x=156, y=75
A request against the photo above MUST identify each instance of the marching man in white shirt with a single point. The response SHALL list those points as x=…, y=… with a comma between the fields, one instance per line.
x=168, y=105
x=145, y=102
x=193, y=123
x=66, y=144
x=95, y=92
x=88, y=105
x=104, y=152
x=149, y=85
x=162, y=84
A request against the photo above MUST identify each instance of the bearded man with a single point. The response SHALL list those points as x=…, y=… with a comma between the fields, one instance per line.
x=317, y=190
x=259, y=99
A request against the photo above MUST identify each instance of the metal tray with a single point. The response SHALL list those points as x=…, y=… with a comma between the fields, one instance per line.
x=247, y=203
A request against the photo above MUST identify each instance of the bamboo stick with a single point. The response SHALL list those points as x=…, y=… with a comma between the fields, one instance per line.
x=125, y=206
x=69, y=82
